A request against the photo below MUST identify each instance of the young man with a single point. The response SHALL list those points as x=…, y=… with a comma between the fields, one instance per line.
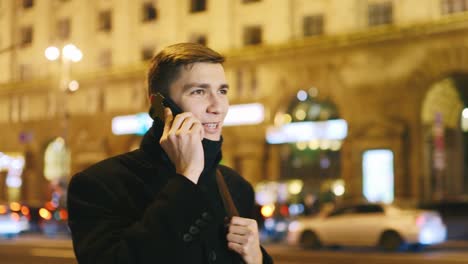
x=161, y=202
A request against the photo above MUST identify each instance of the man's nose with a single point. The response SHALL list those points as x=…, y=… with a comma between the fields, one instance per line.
x=214, y=104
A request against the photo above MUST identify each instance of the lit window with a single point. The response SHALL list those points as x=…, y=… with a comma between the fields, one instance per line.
x=147, y=53
x=26, y=35
x=197, y=6
x=312, y=25
x=28, y=4
x=105, y=21
x=252, y=35
x=199, y=38
x=453, y=6
x=380, y=13
x=63, y=28
x=149, y=12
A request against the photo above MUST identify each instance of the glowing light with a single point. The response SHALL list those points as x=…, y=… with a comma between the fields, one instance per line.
x=338, y=190
x=465, y=113
x=325, y=144
x=295, y=186
x=314, y=144
x=300, y=114
x=335, y=145
x=301, y=145
x=3, y=209
x=378, y=175
x=287, y=118
x=52, y=53
x=281, y=227
x=50, y=206
x=63, y=214
x=44, y=213
x=302, y=95
x=306, y=131
x=267, y=210
x=73, y=86
x=24, y=210
x=245, y=114
x=296, y=209
x=14, y=206
x=72, y=53
x=270, y=223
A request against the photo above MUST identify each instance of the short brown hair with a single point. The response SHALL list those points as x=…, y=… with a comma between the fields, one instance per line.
x=165, y=66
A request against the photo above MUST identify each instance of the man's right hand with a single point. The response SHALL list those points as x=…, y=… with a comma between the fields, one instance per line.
x=182, y=142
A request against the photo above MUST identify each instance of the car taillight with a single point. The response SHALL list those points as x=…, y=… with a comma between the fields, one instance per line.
x=420, y=220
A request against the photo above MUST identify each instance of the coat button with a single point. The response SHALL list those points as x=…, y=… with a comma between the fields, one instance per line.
x=187, y=237
x=194, y=230
x=213, y=255
x=206, y=216
x=200, y=223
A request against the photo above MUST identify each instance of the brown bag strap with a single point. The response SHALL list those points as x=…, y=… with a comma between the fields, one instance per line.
x=229, y=205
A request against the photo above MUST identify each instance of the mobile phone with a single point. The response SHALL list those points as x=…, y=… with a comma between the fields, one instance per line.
x=159, y=102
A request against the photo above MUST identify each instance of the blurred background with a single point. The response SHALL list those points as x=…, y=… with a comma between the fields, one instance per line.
x=332, y=102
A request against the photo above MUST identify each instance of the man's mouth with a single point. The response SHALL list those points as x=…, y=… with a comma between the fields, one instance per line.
x=211, y=125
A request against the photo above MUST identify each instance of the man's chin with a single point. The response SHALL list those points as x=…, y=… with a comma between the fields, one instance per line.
x=213, y=137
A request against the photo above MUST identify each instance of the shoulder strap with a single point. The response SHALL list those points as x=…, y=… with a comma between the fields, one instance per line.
x=229, y=205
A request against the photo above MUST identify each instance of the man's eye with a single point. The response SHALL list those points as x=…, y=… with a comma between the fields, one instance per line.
x=223, y=91
x=198, y=92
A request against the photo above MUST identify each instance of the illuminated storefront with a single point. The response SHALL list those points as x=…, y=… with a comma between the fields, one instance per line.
x=12, y=166
x=310, y=134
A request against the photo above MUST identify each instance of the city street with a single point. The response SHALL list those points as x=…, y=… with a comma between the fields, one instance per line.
x=31, y=249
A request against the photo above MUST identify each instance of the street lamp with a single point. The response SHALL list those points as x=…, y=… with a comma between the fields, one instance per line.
x=70, y=53
x=57, y=157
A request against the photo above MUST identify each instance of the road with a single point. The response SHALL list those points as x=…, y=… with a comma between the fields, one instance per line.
x=38, y=250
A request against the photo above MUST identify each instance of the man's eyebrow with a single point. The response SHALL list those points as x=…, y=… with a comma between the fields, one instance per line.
x=203, y=85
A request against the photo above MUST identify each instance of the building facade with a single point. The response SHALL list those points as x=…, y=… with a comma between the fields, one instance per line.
x=394, y=70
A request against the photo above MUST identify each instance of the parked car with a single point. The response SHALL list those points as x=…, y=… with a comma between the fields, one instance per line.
x=454, y=214
x=14, y=219
x=369, y=224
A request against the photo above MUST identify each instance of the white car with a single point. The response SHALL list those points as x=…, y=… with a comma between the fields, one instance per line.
x=368, y=224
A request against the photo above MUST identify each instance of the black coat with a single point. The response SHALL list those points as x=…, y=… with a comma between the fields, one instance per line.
x=134, y=208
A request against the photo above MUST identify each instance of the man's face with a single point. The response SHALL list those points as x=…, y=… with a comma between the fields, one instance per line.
x=202, y=89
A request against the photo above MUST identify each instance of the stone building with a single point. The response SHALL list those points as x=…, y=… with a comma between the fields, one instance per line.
x=394, y=70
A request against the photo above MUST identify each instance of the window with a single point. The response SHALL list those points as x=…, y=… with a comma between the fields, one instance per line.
x=380, y=13
x=105, y=21
x=63, y=29
x=250, y=1
x=28, y=4
x=105, y=58
x=252, y=35
x=26, y=35
x=197, y=6
x=24, y=72
x=312, y=25
x=149, y=12
x=147, y=53
x=199, y=38
x=453, y=6
x=343, y=211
